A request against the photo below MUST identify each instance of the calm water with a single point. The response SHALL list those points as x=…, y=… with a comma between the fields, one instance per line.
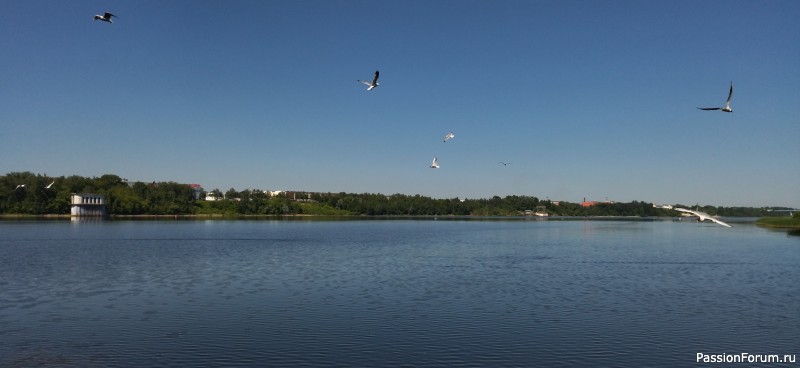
x=393, y=293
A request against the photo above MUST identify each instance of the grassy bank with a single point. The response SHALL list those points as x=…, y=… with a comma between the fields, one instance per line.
x=22, y=216
x=780, y=222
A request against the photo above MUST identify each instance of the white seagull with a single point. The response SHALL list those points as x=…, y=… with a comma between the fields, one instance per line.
x=434, y=163
x=106, y=17
x=505, y=163
x=448, y=136
x=50, y=185
x=373, y=84
x=702, y=216
x=727, y=107
x=20, y=186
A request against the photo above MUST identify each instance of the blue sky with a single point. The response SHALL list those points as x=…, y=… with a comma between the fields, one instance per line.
x=593, y=99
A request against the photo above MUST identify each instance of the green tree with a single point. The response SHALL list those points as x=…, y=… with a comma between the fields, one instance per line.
x=231, y=194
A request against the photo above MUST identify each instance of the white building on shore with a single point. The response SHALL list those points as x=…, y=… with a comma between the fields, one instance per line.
x=88, y=205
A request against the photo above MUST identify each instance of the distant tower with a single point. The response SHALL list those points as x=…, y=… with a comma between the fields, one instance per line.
x=88, y=205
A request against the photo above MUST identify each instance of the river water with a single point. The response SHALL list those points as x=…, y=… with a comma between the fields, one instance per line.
x=389, y=293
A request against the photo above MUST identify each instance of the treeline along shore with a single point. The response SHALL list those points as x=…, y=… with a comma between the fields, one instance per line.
x=25, y=193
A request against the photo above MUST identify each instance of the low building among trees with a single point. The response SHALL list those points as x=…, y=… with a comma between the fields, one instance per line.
x=88, y=205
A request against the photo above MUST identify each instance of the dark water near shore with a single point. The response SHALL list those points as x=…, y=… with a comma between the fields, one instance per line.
x=393, y=293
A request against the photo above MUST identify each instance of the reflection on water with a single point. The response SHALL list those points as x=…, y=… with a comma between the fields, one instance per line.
x=391, y=293
x=87, y=219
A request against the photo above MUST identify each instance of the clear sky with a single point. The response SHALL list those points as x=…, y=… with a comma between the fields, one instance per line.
x=594, y=99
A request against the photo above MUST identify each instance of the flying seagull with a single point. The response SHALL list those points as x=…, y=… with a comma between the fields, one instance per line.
x=448, y=136
x=50, y=185
x=434, y=163
x=20, y=186
x=373, y=84
x=505, y=163
x=106, y=17
x=702, y=216
x=727, y=107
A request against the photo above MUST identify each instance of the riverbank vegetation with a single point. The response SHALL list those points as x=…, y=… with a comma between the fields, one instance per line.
x=784, y=222
x=28, y=193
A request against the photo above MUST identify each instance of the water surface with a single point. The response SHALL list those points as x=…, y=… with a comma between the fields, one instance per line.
x=393, y=293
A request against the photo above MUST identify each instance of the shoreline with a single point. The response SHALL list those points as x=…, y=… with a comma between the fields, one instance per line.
x=354, y=217
x=779, y=222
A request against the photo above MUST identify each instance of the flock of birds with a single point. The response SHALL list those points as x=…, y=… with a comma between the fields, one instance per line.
x=374, y=83
x=447, y=137
x=435, y=163
x=371, y=85
x=701, y=216
x=46, y=187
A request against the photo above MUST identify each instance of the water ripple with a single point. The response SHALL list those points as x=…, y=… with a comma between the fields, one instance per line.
x=405, y=293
